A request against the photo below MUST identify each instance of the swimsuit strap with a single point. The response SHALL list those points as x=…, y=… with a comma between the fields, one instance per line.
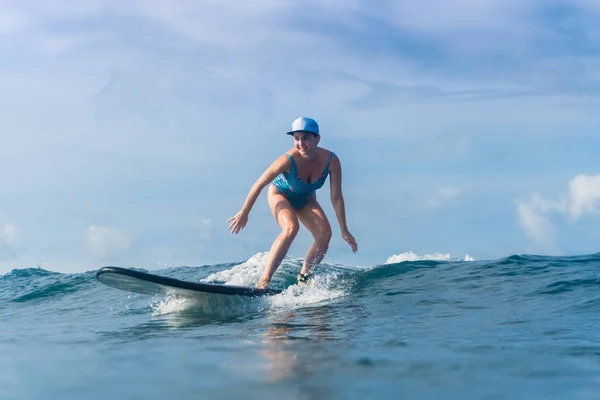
x=328, y=161
x=292, y=161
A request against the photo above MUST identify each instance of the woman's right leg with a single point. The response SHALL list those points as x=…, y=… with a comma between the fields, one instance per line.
x=287, y=218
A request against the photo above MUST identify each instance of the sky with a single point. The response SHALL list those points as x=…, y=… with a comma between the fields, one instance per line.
x=131, y=131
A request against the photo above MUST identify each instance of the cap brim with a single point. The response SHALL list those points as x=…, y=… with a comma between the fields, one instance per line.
x=302, y=130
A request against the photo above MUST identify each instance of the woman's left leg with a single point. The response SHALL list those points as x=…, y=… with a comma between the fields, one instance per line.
x=314, y=219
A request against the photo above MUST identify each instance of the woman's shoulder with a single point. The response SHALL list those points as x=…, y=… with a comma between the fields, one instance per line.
x=283, y=160
x=292, y=152
x=328, y=154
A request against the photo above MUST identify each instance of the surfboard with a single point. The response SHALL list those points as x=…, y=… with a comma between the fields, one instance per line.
x=146, y=283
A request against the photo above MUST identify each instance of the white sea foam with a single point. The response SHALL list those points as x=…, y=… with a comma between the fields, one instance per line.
x=410, y=256
x=244, y=274
x=212, y=304
x=170, y=305
x=325, y=286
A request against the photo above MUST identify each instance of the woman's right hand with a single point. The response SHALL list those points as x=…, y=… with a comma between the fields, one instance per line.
x=238, y=221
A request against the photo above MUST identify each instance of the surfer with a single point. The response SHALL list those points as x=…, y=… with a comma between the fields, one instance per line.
x=294, y=177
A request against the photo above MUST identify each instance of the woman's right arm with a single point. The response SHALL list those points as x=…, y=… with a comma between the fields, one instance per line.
x=238, y=221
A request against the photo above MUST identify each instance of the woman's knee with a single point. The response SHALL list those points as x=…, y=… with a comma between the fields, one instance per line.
x=290, y=229
x=323, y=237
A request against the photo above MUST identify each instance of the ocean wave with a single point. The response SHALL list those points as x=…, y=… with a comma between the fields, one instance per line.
x=526, y=275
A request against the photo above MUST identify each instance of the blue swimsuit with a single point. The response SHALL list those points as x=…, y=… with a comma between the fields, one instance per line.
x=296, y=190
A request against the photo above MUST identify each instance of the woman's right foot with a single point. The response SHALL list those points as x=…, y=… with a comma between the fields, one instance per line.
x=262, y=284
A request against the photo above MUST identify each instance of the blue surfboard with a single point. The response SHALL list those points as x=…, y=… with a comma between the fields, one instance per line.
x=145, y=283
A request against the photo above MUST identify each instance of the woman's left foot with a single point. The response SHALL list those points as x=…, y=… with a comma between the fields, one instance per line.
x=303, y=279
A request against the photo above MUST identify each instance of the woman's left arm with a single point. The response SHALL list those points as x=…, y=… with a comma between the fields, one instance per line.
x=337, y=200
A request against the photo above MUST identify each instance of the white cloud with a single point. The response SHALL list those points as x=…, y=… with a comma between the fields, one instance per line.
x=442, y=196
x=589, y=5
x=107, y=241
x=534, y=215
x=142, y=99
x=206, y=229
x=533, y=219
x=12, y=20
x=9, y=234
x=584, y=195
x=61, y=44
x=456, y=14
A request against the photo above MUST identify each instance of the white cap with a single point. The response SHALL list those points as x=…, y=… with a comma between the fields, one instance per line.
x=304, y=124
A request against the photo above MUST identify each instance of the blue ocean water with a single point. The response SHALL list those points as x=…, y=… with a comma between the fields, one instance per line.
x=521, y=327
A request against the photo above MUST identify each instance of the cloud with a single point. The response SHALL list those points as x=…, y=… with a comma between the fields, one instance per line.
x=107, y=241
x=206, y=229
x=57, y=45
x=443, y=196
x=584, y=195
x=589, y=5
x=9, y=234
x=12, y=20
x=458, y=15
x=533, y=219
x=534, y=214
x=9, y=242
x=170, y=105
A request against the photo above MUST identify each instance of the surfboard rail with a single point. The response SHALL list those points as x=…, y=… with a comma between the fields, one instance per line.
x=151, y=284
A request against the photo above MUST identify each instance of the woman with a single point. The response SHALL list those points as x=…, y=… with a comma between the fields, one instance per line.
x=295, y=177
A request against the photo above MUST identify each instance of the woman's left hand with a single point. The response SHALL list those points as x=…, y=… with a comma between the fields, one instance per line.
x=347, y=236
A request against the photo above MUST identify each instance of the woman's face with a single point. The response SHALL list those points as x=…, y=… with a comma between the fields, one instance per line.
x=305, y=142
